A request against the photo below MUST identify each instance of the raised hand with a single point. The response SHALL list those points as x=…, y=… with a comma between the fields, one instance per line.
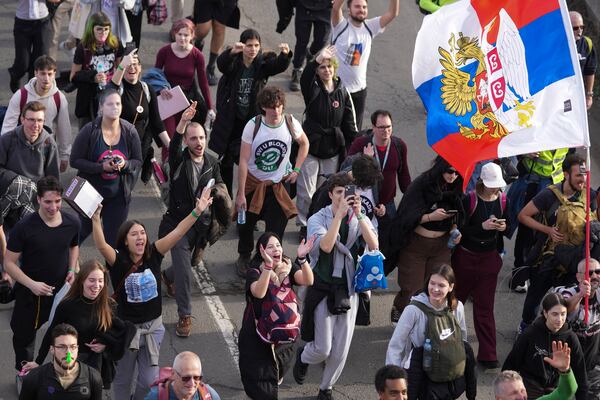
x=284, y=48
x=326, y=54
x=266, y=258
x=561, y=356
x=204, y=201
x=306, y=246
x=189, y=112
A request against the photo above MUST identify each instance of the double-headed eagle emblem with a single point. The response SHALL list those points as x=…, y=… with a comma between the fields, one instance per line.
x=499, y=88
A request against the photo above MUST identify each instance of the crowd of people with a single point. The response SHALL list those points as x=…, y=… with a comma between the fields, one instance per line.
x=446, y=244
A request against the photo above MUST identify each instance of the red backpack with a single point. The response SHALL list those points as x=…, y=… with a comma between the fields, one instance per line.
x=165, y=377
x=473, y=199
x=279, y=321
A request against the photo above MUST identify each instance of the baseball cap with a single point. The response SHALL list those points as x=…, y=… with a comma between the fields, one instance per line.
x=491, y=175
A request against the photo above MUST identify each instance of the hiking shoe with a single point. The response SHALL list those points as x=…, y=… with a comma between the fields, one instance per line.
x=295, y=82
x=488, y=365
x=394, y=315
x=325, y=394
x=300, y=368
x=184, y=326
x=521, y=288
x=241, y=265
x=211, y=77
x=199, y=44
x=14, y=84
x=170, y=285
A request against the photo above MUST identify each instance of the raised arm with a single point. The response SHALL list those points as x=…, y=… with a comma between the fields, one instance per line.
x=305, y=276
x=336, y=12
x=106, y=250
x=391, y=13
x=166, y=243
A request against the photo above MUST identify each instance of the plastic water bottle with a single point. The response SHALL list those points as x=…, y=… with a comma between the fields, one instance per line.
x=158, y=172
x=101, y=67
x=427, y=357
x=453, y=235
x=241, y=216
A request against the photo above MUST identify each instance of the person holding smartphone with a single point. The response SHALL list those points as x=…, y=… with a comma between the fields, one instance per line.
x=429, y=210
x=191, y=170
x=477, y=261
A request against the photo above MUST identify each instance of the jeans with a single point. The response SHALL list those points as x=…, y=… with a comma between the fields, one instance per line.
x=305, y=21
x=32, y=39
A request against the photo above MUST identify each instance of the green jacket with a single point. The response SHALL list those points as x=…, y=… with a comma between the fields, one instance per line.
x=433, y=5
x=567, y=386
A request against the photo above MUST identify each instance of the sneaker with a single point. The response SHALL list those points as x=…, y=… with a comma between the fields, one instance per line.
x=211, y=77
x=184, y=326
x=19, y=382
x=170, y=285
x=199, y=44
x=295, y=83
x=488, y=365
x=394, y=315
x=14, y=84
x=521, y=328
x=300, y=368
x=241, y=265
x=325, y=394
x=69, y=87
x=521, y=288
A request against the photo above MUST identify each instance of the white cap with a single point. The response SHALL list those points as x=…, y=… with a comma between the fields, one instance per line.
x=491, y=175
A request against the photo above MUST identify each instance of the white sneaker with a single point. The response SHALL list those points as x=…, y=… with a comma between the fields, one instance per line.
x=522, y=288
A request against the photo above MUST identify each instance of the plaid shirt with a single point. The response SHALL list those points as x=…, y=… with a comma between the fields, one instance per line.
x=576, y=318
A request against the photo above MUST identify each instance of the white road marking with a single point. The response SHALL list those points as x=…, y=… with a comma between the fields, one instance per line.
x=215, y=305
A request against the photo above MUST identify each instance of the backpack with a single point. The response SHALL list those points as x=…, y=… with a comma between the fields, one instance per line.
x=288, y=123
x=24, y=95
x=447, y=348
x=165, y=377
x=279, y=321
x=570, y=219
x=369, y=272
x=473, y=199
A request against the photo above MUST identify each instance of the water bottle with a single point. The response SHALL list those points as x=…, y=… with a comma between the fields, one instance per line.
x=158, y=172
x=427, y=357
x=453, y=235
x=241, y=216
x=101, y=67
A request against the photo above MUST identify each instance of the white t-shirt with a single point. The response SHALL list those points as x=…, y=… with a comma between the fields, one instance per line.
x=367, y=204
x=353, y=47
x=270, y=155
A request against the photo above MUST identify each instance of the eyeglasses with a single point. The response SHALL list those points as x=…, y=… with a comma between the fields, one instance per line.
x=384, y=127
x=578, y=28
x=34, y=120
x=64, y=347
x=451, y=171
x=592, y=271
x=186, y=379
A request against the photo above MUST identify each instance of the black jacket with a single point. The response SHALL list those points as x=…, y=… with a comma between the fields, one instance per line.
x=528, y=352
x=330, y=122
x=266, y=64
x=42, y=383
x=83, y=147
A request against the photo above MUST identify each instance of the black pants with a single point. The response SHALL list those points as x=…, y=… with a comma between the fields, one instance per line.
x=319, y=22
x=360, y=101
x=523, y=243
x=135, y=25
x=232, y=154
x=114, y=213
x=29, y=314
x=271, y=213
x=32, y=39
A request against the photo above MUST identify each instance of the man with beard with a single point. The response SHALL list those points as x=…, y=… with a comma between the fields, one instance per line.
x=352, y=39
x=64, y=377
x=42, y=253
x=546, y=207
x=587, y=56
x=191, y=169
x=588, y=332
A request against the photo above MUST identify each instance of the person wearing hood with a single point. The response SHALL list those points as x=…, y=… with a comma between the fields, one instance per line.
x=43, y=88
x=405, y=348
x=528, y=352
x=429, y=210
x=329, y=123
x=27, y=154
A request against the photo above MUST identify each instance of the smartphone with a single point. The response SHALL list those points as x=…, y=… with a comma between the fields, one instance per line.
x=451, y=211
x=499, y=220
x=117, y=160
x=350, y=190
x=210, y=183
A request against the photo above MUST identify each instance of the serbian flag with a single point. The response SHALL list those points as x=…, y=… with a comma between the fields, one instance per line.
x=499, y=78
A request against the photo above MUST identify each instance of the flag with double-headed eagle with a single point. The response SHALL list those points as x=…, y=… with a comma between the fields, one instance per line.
x=499, y=78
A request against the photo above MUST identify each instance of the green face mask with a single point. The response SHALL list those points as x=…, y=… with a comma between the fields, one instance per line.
x=69, y=359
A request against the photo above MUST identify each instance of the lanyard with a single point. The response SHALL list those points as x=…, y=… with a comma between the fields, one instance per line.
x=387, y=153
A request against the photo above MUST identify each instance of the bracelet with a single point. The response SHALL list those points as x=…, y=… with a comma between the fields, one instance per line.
x=296, y=169
x=71, y=270
x=195, y=215
x=120, y=67
x=300, y=260
x=589, y=93
x=360, y=216
x=268, y=267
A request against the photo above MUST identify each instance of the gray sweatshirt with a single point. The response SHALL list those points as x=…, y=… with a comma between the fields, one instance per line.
x=410, y=331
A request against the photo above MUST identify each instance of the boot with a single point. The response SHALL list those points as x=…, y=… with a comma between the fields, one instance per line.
x=295, y=82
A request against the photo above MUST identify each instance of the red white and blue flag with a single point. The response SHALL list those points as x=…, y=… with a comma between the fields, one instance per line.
x=499, y=78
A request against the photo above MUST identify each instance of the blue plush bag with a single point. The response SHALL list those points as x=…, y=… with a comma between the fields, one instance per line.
x=369, y=272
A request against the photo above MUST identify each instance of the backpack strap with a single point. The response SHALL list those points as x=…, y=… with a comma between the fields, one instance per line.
x=163, y=391
x=368, y=30
x=559, y=195
x=131, y=271
x=290, y=125
x=146, y=91
x=23, y=100
x=204, y=392
x=590, y=44
x=502, y=199
x=473, y=202
x=257, y=122
x=342, y=31
x=56, y=97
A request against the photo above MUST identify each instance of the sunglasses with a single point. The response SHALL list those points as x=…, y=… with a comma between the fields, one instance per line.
x=451, y=171
x=577, y=28
x=186, y=379
x=592, y=271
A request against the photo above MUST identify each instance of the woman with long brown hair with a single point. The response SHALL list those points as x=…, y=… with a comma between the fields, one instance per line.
x=88, y=307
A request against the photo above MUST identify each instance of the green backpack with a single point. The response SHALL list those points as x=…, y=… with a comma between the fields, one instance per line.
x=447, y=347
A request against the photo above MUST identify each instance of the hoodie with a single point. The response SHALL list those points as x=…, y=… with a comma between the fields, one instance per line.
x=58, y=120
x=31, y=160
x=528, y=352
x=410, y=331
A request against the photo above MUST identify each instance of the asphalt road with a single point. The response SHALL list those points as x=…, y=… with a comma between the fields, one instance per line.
x=219, y=300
